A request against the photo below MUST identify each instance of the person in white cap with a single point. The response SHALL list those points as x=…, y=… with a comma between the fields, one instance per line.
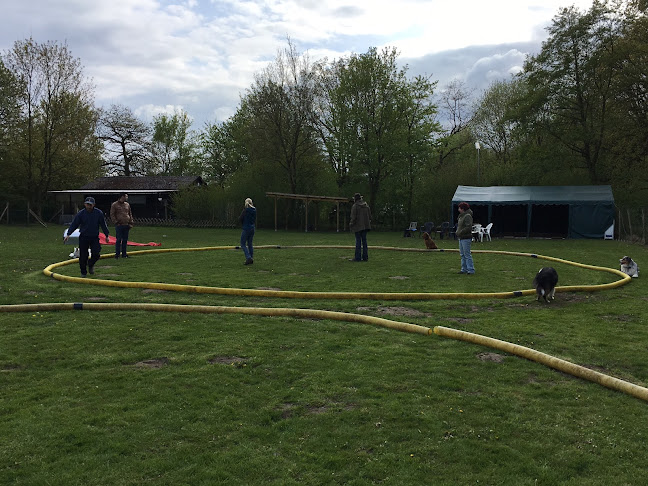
x=88, y=220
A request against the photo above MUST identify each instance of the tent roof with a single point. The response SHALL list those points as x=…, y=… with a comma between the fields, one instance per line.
x=533, y=194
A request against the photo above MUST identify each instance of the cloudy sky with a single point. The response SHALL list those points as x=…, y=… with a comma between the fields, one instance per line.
x=201, y=55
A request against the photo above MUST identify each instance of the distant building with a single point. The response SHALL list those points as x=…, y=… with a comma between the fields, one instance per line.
x=149, y=196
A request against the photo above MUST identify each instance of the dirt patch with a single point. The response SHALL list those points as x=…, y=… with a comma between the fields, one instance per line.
x=228, y=360
x=110, y=275
x=393, y=311
x=268, y=288
x=496, y=358
x=461, y=320
x=153, y=363
x=31, y=292
x=10, y=367
x=185, y=273
x=96, y=299
x=287, y=410
x=620, y=318
x=399, y=277
x=153, y=291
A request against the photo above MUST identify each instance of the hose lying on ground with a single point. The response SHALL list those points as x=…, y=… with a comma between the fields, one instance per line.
x=288, y=294
x=545, y=359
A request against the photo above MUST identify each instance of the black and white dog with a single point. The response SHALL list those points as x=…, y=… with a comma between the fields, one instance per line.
x=545, y=283
x=629, y=266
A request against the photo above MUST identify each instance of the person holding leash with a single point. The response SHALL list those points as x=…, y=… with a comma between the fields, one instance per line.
x=88, y=220
x=464, y=233
x=122, y=217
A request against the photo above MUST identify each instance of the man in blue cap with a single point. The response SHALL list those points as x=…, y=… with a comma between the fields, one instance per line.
x=88, y=220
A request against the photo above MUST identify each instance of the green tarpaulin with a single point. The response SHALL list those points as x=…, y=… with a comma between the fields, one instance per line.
x=563, y=211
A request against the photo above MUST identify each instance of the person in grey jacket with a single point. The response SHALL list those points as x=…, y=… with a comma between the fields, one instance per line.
x=464, y=233
x=88, y=220
x=360, y=224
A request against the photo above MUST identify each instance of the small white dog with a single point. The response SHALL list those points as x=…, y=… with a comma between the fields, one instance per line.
x=76, y=253
x=629, y=266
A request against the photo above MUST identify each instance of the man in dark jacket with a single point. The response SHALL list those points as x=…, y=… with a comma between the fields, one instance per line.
x=464, y=233
x=248, y=222
x=88, y=220
x=360, y=224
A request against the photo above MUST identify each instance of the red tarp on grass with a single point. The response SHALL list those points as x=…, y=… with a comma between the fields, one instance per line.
x=102, y=240
x=112, y=239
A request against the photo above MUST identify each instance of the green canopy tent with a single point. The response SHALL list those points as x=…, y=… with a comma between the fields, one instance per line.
x=553, y=211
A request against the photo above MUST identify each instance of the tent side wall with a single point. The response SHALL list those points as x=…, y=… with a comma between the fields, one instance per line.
x=590, y=220
x=564, y=211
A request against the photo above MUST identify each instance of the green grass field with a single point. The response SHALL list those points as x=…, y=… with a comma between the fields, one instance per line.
x=137, y=397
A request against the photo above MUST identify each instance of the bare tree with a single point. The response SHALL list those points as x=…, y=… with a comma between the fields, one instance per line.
x=126, y=141
x=455, y=110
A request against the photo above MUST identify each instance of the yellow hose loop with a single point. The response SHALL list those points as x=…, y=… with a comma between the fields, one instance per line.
x=208, y=309
x=287, y=294
x=547, y=360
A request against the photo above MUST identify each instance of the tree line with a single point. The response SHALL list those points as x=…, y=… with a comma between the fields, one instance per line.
x=577, y=113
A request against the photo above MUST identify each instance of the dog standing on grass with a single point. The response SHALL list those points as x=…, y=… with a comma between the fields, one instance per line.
x=629, y=266
x=429, y=242
x=545, y=283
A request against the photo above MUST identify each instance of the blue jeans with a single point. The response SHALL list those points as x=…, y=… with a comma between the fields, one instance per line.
x=246, y=243
x=362, y=250
x=467, y=265
x=121, y=234
x=95, y=247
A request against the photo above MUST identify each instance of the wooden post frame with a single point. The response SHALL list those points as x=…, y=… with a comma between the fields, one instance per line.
x=307, y=199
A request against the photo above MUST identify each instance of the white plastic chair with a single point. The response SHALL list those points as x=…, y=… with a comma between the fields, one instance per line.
x=485, y=231
x=477, y=231
x=411, y=229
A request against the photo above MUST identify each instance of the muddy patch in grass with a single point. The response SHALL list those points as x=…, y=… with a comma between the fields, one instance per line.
x=153, y=363
x=619, y=318
x=227, y=360
x=399, y=277
x=96, y=299
x=153, y=291
x=494, y=357
x=460, y=320
x=267, y=288
x=393, y=311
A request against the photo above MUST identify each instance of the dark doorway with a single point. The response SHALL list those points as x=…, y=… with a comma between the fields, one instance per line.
x=550, y=220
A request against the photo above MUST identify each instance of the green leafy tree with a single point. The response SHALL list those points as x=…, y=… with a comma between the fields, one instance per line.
x=368, y=118
x=223, y=149
x=174, y=146
x=9, y=123
x=55, y=138
x=570, y=86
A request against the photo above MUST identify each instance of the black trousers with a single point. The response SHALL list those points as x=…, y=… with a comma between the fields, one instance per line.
x=92, y=243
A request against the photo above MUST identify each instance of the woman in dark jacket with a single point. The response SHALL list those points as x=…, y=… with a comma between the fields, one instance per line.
x=360, y=223
x=464, y=233
x=248, y=221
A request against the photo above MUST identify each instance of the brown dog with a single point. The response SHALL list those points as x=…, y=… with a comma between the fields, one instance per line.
x=429, y=242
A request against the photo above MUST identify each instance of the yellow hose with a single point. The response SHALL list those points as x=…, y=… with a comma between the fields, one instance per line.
x=210, y=309
x=288, y=294
x=547, y=360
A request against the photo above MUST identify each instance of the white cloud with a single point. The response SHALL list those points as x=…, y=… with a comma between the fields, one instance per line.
x=201, y=54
